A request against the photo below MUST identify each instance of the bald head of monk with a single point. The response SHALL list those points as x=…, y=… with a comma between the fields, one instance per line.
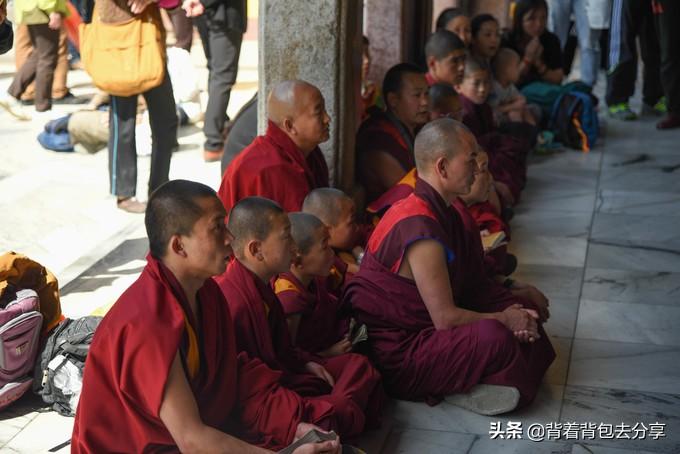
x=338, y=211
x=299, y=110
x=446, y=157
x=262, y=239
x=185, y=225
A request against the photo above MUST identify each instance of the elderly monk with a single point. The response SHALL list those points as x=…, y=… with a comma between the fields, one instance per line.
x=447, y=328
x=286, y=163
x=385, y=140
x=347, y=384
x=162, y=372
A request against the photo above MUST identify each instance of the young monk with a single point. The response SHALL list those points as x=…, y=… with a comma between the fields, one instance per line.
x=507, y=154
x=314, y=317
x=447, y=327
x=286, y=163
x=338, y=211
x=347, y=384
x=444, y=102
x=162, y=372
x=445, y=55
x=454, y=20
x=385, y=140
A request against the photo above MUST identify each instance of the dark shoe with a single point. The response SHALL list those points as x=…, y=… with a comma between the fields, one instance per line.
x=70, y=98
x=131, y=205
x=212, y=155
x=671, y=121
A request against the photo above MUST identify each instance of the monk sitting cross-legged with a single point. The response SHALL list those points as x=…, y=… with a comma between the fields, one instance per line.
x=315, y=319
x=286, y=163
x=437, y=325
x=162, y=372
x=263, y=246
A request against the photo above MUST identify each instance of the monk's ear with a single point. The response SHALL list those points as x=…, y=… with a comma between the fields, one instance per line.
x=177, y=246
x=287, y=125
x=392, y=99
x=254, y=249
x=431, y=62
x=440, y=166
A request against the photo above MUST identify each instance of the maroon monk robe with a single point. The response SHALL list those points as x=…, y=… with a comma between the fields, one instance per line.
x=262, y=332
x=130, y=357
x=323, y=322
x=338, y=278
x=507, y=154
x=382, y=131
x=419, y=362
x=273, y=167
x=484, y=215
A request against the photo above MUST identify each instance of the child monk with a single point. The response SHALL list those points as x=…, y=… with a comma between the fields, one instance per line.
x=508, y=103
x=347, y=238
x=507, y=154
x=314, y=315
x=445, y=54
x=346, y=384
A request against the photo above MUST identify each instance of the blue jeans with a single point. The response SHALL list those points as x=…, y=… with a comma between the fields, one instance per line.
x=559, y=18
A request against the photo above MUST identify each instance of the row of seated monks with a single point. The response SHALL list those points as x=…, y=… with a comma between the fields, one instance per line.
x=236, y=336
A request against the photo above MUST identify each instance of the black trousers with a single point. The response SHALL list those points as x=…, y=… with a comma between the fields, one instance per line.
x=222, y=46
x=668, y=27
x=39, y=66
x=122, y=149
x=632, y=19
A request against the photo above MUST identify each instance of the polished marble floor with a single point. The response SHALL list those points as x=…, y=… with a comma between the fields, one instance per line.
x=599, y=234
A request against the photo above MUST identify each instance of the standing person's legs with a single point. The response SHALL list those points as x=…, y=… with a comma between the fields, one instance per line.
x=225, y=46
x=163, y=121
x=184, y=29
x=668, y=22
x=559, y=19
x=26, y=73
x=650, y=53
x=588, y=44
x=622, y=52
x=46, y=46
x=122, y=148
x=59, y=88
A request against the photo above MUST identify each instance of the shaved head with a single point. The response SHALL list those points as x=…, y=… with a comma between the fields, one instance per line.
x=326, y=204
x=251, y=219
x=440, y=138
x=173, y=209
x=286, y=99
x=304, y=228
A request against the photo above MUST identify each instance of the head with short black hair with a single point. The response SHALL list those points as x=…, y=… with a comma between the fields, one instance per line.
x=405, y=94
x=477, y=81
x=338, y=211
x=479, y=20
x=444, y=102
x=252, y=219
x=447, y=16
x=173, y=209
x=442, y=43
x=305, y=228
x=486, y=38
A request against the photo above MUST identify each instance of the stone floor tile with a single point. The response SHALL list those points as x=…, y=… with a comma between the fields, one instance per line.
x=643, y=203
x=636, y=367
x=549, y=250
x=624, y=322
x=631, y=258
x=409, y=441
x=660, y=233
x=552, y=223
x=641, y=287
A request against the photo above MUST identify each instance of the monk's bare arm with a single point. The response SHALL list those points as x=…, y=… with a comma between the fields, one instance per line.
x=180, y=415
x=425, y=263
x=384, y=167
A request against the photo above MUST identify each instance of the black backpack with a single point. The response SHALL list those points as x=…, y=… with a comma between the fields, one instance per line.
x=64, y=357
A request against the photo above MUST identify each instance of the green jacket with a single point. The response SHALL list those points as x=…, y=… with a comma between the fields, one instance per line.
x=32, y=12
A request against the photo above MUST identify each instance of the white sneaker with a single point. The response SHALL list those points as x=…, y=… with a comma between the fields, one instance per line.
x=487, y=399
x=14, y=107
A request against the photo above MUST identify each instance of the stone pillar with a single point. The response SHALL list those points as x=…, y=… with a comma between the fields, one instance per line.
x=397, y=31
x=320, y=43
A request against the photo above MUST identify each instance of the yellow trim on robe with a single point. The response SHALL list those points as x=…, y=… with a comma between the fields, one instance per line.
x=193, y=359
x=283, y=285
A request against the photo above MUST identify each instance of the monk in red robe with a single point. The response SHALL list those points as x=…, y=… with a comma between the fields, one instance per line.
x=346, y=236
x=316, y=320
x=262, y=249
x=445, y=54
x=162, y=372
x=286, y=163
x=448, y=332
x=385, y=140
